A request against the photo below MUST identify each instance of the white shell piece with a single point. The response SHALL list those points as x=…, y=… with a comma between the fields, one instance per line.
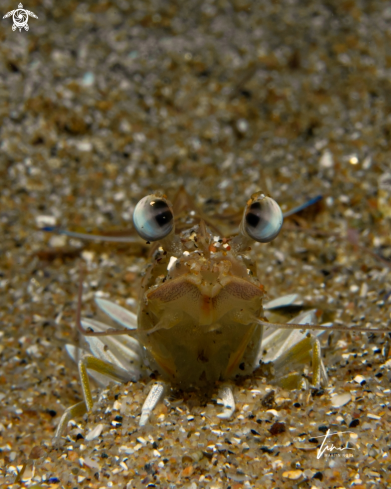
x=116, y=352
x=119, y=314
x=276, y=342
x=285, y=300
x=326, y=325
x=154, y=396
x=324, y=378
x=171, y=263
x=99, y=350
x=341, y=399
x=95, y=432
x=126, y=340
x=228, y=402
x=74, y=352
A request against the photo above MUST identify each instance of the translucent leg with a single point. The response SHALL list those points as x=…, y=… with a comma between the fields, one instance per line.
x=293, y=381
x=319, y=375
x=237, y=355
x=298, y=354
x=154, y=396
x=89, y=362
x=72, y=412
x=228, y=401
x=86, y=363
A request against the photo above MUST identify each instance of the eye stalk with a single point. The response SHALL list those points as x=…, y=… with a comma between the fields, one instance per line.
x=262, y=221
x=153, y=218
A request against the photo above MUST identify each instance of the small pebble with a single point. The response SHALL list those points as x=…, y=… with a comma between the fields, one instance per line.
x=359, y=379
x=43, y=221
x=341, y=399
x=293, y=474
x=95, y=432
x=373, y=416
x=326, y=160
x=88, y=79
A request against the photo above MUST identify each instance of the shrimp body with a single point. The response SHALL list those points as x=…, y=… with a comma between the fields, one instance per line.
x=195, y=312
x=201, y=314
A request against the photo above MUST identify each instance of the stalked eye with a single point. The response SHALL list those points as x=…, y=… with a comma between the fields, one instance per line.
x=153, y=218
x=262, y=219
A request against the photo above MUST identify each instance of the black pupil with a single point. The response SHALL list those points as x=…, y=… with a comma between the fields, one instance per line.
x=252, y=218
x=162, y=213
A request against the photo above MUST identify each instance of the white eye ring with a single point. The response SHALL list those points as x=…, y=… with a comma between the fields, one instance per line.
x=262, y=219
x=153, y=218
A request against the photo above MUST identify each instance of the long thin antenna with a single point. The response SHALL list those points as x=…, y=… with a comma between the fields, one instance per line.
x=91, y=237
x=324, y=327
x=301, y=207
